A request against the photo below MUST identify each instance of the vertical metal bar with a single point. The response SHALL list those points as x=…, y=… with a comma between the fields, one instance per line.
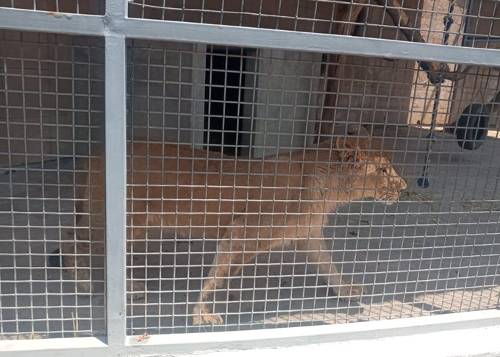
x=116, y=9
x=115, y=110
x=115, y=143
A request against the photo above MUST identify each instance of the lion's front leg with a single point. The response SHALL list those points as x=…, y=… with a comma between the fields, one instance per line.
x=239, y=245
x=242, y=242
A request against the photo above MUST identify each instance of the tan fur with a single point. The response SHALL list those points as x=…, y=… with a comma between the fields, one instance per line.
x=251, y=206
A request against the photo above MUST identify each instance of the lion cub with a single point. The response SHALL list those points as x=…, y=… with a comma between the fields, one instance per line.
x=249, y=205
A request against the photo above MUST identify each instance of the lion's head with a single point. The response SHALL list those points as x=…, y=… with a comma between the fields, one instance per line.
x=378, y=179
x=356, y=170
x=370, y=174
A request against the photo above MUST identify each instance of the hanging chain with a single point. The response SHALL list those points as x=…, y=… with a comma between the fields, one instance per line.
x=423, y=181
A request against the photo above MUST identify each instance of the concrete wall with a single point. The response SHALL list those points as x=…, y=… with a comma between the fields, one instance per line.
x=51, y=96
x=287, y=101
x=166, y=91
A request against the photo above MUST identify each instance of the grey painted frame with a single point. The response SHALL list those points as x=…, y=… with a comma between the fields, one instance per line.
x=111, y=23
x=116, y=27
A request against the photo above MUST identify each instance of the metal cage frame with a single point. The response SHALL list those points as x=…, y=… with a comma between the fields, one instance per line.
x=116, y=28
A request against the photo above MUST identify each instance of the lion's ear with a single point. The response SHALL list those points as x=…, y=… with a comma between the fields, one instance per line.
x=349, y=149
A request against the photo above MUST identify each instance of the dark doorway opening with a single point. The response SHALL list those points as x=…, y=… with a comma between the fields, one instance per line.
x=224, y=89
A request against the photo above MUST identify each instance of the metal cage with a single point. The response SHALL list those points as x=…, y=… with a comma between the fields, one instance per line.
x=223, y=171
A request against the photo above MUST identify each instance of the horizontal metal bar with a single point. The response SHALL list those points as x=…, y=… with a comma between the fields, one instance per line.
x=27, y=20
x=410, y=329
x=437, y=343
x=285, y=337
x=303, y=41
x=77, y=346
x=46, y=21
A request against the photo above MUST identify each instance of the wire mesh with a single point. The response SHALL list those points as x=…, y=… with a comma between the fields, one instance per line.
x=471, y=22
x=51, y=113
x=88, y=7
x=228, y=153
x=237, y=152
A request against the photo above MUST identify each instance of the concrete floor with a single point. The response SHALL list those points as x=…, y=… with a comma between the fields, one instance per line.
x=436, y=251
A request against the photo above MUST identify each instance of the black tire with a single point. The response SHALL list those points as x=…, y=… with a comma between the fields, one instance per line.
x=472, y=126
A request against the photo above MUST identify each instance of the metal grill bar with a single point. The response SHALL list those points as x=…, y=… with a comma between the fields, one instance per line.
x=91, y=25
x=300, y=41
x=115, y=140
x=115, y=187
x=26, y=20
x=275, y=338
